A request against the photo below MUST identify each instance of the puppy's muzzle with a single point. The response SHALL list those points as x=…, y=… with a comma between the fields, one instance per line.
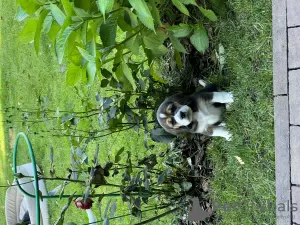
x=183, y=116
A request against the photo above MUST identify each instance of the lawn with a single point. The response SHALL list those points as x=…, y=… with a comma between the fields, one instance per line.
x=246, y=36
x=245, y=33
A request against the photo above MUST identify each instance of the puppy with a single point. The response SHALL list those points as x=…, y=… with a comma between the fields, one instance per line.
x=200, y=112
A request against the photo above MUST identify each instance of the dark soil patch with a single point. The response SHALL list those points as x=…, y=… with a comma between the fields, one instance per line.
x=193, y=147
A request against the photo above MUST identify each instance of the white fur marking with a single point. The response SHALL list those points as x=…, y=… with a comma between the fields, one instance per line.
x=222, y=97
x=162, y=116
x=221, y=132
x=183, y=121
x=202, y=83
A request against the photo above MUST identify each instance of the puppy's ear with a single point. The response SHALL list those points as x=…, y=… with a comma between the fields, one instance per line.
x=179, y=98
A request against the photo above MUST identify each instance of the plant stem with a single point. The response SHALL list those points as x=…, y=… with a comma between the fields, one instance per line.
x=13, y=185
x=116, y=217
x=112, y=58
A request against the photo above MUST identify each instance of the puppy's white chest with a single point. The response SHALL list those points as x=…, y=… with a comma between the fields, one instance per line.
x=206, y=119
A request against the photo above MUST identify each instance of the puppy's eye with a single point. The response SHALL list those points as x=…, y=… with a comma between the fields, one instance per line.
x=173, y=108
x=173, y=121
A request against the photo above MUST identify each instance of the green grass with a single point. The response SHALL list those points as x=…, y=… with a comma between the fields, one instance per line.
x=26, y=76
x=246, y=36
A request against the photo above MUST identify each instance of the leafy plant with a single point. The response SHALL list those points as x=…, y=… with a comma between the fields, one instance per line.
x=85, y=34
x=119, y=42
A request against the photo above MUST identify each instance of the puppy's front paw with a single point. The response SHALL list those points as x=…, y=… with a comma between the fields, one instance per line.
x=227, y=136
x=229, y=97
x=222, y=124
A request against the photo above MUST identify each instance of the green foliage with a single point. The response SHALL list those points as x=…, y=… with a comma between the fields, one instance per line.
x=199, y=38
x=143, y=12
x=75, y=27
x=60, y=220
x=29, y=6
x=209, y=14
x=107, y=40
x=160, y=135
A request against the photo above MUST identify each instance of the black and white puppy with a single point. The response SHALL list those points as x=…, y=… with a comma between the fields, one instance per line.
x=200, y=112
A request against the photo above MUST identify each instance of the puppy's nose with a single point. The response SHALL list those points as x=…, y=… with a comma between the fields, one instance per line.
x=182, y=115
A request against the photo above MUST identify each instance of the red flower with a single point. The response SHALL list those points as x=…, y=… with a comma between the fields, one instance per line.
x=81, y=204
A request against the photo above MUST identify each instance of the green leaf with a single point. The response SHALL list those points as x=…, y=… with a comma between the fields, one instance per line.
x=178, y=59
x=84, y=78
x=61, y=42
x=155, y=73
x=123, y=24
x=47, y=23
x=118, y=155
x=54, y=29
x=92, y=48
x=122, y=75
x=85, y=4
x=71, y=46
x=106, y=73
x=104, y=83
x=68, y=8
x=28, y=32
x=133, y=44
x=74, y=74
x=161, y=178
x=159, y=51
x=84, y=28
x=91, y=72
x=92, y=63
x=186, y=2
x=131, y=18
x=177, y=45
x=73, y=54
x=200, y=39
x=143, y=12
x=29, y=6
x=160, y=135
x=209, y=14
x=21, y=14
x=85, y=54
x=60, y=220
x=58, y=15
x=105, y=6
x=181, y=30
x=153, y=40
x=108, y=30
x=219, y=6
x=155, y=12
x=128, y=74
x=67, y=22
x=38, y=30
x=181, y=7
x=81, y=12
x=113, y=208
